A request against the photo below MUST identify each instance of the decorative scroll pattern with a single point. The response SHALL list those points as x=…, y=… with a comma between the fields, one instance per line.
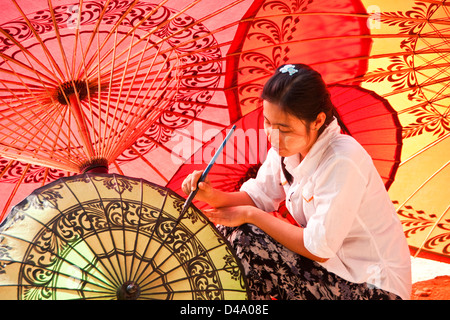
x=272, y=33
x=13, y=170
x=426, y=83
x=417, y=224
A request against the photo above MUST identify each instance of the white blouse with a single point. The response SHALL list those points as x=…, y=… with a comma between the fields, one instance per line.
x=339, y=198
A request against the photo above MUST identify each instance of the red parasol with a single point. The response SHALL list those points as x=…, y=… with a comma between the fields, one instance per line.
x=105, y=83
x=367, y=117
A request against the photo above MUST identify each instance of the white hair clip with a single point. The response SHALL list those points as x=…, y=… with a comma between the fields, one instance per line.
x=288, y=68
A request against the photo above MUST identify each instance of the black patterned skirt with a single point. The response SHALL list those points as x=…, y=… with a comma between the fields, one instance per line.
x=275, y=272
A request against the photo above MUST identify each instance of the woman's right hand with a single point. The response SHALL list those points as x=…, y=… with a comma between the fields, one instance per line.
x=205, y=189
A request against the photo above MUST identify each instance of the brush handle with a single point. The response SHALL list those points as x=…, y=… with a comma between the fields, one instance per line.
x=189, y=199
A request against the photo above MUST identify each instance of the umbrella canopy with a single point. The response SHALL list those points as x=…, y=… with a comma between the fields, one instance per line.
x=409, y=67
x=106, y=236
x=239, y=161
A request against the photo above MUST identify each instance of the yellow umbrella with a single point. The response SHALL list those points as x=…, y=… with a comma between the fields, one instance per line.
x=409, y=66
x=105, y=236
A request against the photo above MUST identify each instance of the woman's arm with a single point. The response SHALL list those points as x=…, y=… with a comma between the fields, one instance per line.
x=289, y=235
x=214, y=197
x=236, y=208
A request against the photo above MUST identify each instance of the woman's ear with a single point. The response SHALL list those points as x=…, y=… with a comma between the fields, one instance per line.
x=319, y=122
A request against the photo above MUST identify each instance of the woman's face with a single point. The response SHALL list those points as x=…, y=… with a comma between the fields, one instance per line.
x=287, y=134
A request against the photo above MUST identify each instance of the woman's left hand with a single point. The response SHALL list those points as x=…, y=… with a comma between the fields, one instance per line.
x=229, y=216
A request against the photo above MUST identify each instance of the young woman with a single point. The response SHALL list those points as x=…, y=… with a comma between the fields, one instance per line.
x=350, y=243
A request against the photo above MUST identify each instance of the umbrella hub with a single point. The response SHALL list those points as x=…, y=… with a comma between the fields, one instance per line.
x=96, y=165
x=251, y=173
x=68, y=88
x=129, y=291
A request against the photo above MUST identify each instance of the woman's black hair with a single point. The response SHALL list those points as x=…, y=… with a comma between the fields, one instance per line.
x=300, y=91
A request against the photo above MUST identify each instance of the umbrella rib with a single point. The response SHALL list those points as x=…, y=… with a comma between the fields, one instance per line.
x=44, y=123
x=30, y=67
x=77, y=37
x=38, y=38
x=136, y=129
x=139, y=115
x=114, y=278
x=57, y=254
x=91, y=40
x=423, y=184
x=148, y=163
x=119, y=275
x=53, y=148
x=28, y=156
x=55, y=272
x=150, y=115
x=61, y=46
x=135, y=278
x=121, y=86
x=129, y=275
x=183, y=29
x=89, y=98
x=27, y=135
x=74, y=102
x=198, y=22
x=432, y=229
x=24, y=76
x=172, y=254
x=109, y=128
x=150, y=87
x=16, y=188
x=134, y=28
x=113, y=30
x=124, y=272
x=100, y=109
x=142, y=21
x=426, y=148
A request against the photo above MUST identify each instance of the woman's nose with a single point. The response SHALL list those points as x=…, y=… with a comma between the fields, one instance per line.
x=273, y=136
